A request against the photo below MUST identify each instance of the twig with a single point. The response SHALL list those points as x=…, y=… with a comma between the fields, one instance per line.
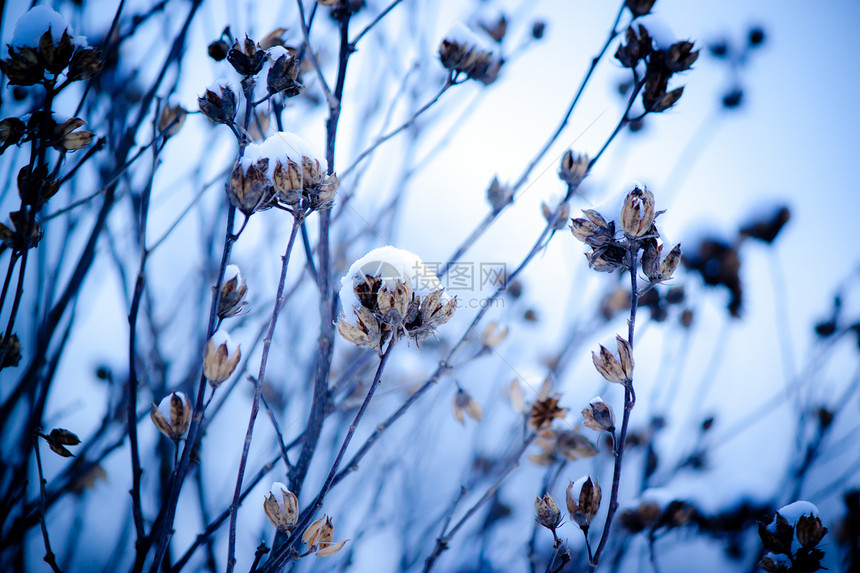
x=374, y=22
x=49, y=558
x=629, y=402
x=258, y=392
x=443, y=540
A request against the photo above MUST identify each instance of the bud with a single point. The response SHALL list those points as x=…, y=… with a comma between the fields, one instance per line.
x=247, y=59
x=809, y=530
x=680, y=56
x=582, y=229
x=599, y=416
x=639, y=7
x=547, y=512
x=573, y=168
x=283, y=75
x=318, y=537
x=282, y=507
x=233, y=291
x=637, y=215
x=220, y=358
x=218, y=108
x=247, y=188
x=499, y=195
x=218, y=50
x=365, y=333
x=563, y=211
x=464, y=402
x=613, y=369
x=12, y=130
x=670, y=263
x=172, y=415
x=583, y=501
x=55, y=57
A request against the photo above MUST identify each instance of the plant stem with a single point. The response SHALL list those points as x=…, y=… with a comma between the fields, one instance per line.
x=629, y=402
x=50, y=559
x=258, y=392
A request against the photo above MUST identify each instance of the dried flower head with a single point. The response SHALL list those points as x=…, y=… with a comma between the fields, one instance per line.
x=547, y=512
x=379, y=292
x=566, y=444
x=318, y=537
x=282, y=507
x=493, y=335
x=246, y=58
x=573, y=169
x=233, y=292
x=614, y=369
x=171, y=119
x=247, y=188
x=544, y=411
x=220, y=358
x=659, y=270
x=172, y=415
x=598, y=416
x=499, y=195
x=639, y=7
x=638, y=213
x=464, y=402
x=461, y=51
x=583, y=500
x=283, y=74
x=557, y=216
x=218, y=107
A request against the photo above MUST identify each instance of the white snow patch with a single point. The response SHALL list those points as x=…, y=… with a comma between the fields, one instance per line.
x=284, y=146
x=164, y=405
x=459, y=33
x=35, y=22
x=223, y=337
x=392, y=264
x=231, y=272
x=793, y=511
x=277, y=490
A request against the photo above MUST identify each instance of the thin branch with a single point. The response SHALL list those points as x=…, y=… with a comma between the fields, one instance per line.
x=50, y=559
x=258, y=393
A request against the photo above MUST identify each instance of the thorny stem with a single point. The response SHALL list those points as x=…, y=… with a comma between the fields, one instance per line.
x=283, y=554
x=50, y=559
x=443, y=540
x=629, y=401
x=258, y=392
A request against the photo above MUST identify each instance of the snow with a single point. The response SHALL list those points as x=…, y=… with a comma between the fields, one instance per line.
x=223, y=337
x=35, y=22
x=459, y=33
x=576, y=487
x=276, y=52
x=277, y=490
x=392, y=264
x=231, y=272
x=285, y=146
x=793, y=511
x=164, y=405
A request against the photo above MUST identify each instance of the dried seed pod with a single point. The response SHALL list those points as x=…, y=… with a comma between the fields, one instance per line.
x=318, y=537
x=233, y=292
x=544, y=411
x=171, y=119
x=464, y=402
x=220, y=108
x=614, y=369
x=220, y=358
x=573, y=168
x=547, y=512
x=282, y=507
x=247, y=188
x=583, y=500
x=638, y=213
x=172, y=415
x=599, y=416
